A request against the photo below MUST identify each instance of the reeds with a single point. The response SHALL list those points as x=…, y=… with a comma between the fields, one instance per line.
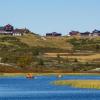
x=91, y=84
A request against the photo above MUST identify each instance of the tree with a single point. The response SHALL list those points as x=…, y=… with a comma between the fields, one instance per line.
x=58, y=58
x=40, y=62
x=75, y=60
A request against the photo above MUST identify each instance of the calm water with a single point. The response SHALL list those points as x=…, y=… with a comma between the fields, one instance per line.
x=20, y=88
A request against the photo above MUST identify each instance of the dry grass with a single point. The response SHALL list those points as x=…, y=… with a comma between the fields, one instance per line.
x=86, y=58
x=54, y=42
x=30, y=39
x=59, y=42
x=93, y=84
x=80, y=58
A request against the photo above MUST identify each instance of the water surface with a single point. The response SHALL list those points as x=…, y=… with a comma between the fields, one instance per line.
x=20, y=88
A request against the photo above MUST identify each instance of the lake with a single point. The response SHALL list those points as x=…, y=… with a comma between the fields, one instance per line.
x=20, y=88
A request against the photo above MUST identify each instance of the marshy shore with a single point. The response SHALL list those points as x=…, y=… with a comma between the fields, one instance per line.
x=91, y=84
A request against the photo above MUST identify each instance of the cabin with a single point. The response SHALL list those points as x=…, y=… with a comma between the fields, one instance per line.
x=74, y=33
x=53, y=34
x=85, y=34
x=17, y=32
x=95, y=33
x=20, y=32
x=8, y=28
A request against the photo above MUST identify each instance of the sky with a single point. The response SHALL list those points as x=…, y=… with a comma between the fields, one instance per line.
x=43, y=16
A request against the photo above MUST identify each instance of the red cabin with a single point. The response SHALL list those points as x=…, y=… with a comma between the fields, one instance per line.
x=8, y=27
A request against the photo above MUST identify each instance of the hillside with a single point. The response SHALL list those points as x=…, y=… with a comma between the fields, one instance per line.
x=56, y=42
x=33, y=53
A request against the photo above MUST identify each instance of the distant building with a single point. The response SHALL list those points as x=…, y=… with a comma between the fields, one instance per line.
x=96, y=33
x=74, y=33
x=19, y=32
x=85, y=34
x=9, y=30
x=54, y=34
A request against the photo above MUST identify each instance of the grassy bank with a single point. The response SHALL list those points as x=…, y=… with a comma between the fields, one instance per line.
x=91, y=84
x=45, y=74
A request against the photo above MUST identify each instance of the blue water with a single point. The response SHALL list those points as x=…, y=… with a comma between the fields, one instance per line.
x=20, y=88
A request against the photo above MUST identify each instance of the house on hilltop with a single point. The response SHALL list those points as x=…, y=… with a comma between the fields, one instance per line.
x=5, y=30
x=20, y=32
x=95, y=33
x=74, y=33
x=85, y=34
x=53, y=34
x=9, y=30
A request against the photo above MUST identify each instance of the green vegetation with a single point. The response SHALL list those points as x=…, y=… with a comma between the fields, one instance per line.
x=92, y=44
x=26, y=53
x=91, y=84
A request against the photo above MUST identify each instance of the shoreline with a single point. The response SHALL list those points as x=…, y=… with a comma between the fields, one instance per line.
x=44, y=74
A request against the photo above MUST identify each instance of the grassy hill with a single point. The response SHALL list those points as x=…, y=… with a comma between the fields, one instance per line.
x=33, y=53
x=56, y=42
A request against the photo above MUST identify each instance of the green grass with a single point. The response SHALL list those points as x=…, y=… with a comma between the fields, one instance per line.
x=91, y=84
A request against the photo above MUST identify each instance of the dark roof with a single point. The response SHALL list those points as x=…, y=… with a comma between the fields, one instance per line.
x=8, y=27
x=74, y=33
x=96, y=31
x=53, y=34
x=85, y=33
x=21, y=31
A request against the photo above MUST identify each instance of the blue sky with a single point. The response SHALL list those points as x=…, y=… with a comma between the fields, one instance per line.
x=43, y=16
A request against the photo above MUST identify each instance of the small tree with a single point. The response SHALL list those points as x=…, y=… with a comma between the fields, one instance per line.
x=75, y=60
x=58, y=58
x=40, y=62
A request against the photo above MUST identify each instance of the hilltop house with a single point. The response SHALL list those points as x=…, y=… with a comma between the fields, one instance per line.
x=9, y=30
x=96, y=33
x=53, y=34
x=85, y=34
x=74, y=33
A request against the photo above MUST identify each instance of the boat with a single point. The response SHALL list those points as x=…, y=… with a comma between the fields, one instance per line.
x=30, y=76
x=59, y=76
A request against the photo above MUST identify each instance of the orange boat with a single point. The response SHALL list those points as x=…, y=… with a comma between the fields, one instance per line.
x=29, y=76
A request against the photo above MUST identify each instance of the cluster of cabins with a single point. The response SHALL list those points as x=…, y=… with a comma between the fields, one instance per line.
x=76, y=33
x=85, y=34
x=9, y=30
